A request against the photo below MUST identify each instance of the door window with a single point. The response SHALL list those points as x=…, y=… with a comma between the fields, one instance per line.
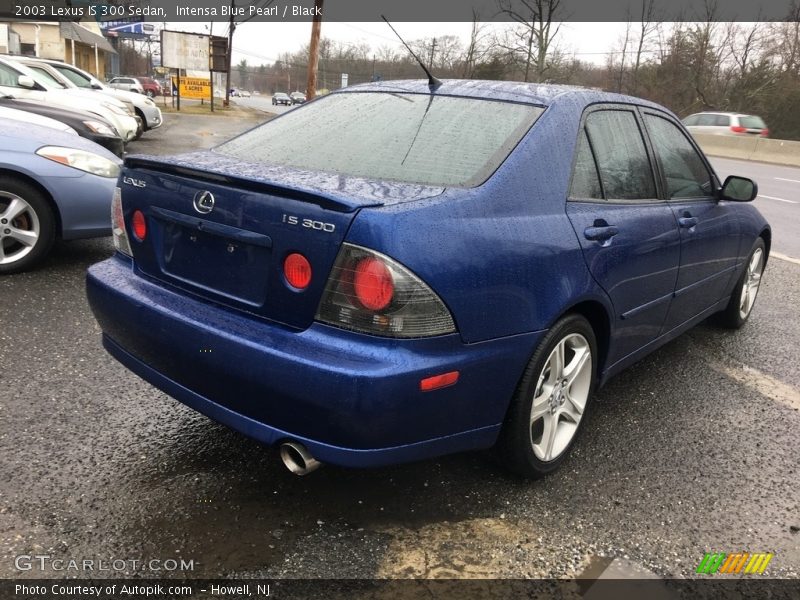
x=686, y=173
x=622, y=161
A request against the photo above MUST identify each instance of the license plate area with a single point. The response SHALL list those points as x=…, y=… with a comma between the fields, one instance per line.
x=215, y=259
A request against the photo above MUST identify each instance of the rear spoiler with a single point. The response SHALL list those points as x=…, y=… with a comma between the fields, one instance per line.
x=309, y=194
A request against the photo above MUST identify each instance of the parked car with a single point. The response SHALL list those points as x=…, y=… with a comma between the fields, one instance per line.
x=150, y=86
x=244, y=93
x=128, y=84
x=19, y=81
x=87, y=125
x=398, y=271
x=12, y=114
x=52, y=185
x=142, y=105
x=726, y=123
x=281, y=98
x=298, y=97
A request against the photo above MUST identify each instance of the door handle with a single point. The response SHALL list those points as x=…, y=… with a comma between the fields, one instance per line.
x=688, y=222
x=600, y=234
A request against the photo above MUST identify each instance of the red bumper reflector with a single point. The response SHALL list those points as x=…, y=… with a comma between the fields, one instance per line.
x=438, y=381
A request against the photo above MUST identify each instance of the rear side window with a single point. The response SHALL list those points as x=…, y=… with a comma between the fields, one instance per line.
x=722, y=120
x=416, y=138
x=684, y=170
x=585, y=180
x=622, y=161
x=751, y=122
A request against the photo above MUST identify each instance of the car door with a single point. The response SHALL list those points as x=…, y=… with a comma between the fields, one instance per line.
x=628, y=234
x=9, y=84
x=709, y=229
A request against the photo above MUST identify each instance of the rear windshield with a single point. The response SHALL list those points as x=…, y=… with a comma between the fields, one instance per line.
x=417, y=138
x=751, y=122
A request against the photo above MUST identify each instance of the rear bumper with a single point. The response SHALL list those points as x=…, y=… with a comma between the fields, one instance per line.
x=353, y=400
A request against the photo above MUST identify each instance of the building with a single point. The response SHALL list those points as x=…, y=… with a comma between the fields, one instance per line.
x=81, y=44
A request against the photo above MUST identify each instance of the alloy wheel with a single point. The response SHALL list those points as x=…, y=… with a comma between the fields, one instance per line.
x=561, y=395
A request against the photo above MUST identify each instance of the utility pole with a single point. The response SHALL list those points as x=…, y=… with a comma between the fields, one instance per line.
x=231, y=28
x=433, y=50
x=313, y=51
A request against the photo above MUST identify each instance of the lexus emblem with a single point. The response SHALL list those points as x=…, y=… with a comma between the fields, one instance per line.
x=204, y=202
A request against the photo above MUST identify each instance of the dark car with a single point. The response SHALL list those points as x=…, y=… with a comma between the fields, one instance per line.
x=88, y=125
x=398, y=271
x=151, y=87
x=281, y=98
x=298, y=97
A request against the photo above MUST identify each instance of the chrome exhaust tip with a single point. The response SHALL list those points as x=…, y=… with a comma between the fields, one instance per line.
x=298, y=459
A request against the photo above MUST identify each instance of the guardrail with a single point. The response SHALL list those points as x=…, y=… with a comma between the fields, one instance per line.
x=779, y=152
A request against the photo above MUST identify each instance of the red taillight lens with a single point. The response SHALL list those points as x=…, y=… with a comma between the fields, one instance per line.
x=373, y=284
x=738, y=129
x=139, y=225
x=765, y=133
x=297, y=271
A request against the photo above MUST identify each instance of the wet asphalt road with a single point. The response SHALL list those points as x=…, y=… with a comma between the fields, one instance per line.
x=695, y=449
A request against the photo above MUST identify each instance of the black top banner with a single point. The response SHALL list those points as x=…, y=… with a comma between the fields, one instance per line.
x=400, y=10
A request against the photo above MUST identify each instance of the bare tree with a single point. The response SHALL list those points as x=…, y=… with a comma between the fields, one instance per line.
x=534, y=34
x=477, y=47
x=648, y=26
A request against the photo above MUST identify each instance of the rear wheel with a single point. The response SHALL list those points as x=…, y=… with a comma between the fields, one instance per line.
x=27, y=226
x=550, y=403
x=744, y=294
x=150, y=93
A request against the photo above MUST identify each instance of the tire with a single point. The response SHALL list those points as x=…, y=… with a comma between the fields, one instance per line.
x=27, y=226
x=544, y=403
x=743, y=298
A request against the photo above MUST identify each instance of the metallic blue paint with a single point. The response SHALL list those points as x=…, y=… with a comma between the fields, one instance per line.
x=226, y=336
x=82, y=200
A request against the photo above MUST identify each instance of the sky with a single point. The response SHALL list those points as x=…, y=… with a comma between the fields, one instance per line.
x=262, y=43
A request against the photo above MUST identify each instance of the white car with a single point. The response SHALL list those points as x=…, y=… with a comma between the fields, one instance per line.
x=726, y=123
x=34, y=119
x=128, y=84
x=144, y=107
x=19, y=81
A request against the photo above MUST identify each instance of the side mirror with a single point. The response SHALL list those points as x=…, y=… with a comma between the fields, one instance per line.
x=96, y=85
x=26, y=81
x=739, y=189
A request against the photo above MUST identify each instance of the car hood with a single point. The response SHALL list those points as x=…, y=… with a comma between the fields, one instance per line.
x=27, y=137
x=14, y=114
x=123, y=96
x=346, y=191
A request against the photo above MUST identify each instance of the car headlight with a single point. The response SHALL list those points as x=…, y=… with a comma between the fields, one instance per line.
x=100, y=128
x=81, y=160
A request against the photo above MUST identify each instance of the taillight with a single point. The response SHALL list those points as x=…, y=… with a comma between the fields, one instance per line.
x=373, y=283
x=372, y=293
x=738, y=129
x=121, y=242
x=297, y=271
x=139, y=225
x=765, y=133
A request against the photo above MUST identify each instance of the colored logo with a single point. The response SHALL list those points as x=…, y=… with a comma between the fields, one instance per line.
x=741, y=562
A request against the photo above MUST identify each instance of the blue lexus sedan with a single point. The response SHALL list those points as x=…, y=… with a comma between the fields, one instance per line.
x=52, y=185
x=395, y=271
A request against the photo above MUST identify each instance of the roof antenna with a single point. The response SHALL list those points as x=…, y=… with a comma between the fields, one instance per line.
x=433, y=83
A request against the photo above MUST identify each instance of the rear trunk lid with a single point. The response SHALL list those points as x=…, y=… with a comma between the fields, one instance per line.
x=221, y=229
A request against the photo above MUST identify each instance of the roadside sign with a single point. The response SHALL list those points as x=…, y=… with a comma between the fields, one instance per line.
x=194, y=87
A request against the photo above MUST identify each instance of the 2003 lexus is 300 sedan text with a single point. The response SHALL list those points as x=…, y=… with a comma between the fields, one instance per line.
x=396, y=271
